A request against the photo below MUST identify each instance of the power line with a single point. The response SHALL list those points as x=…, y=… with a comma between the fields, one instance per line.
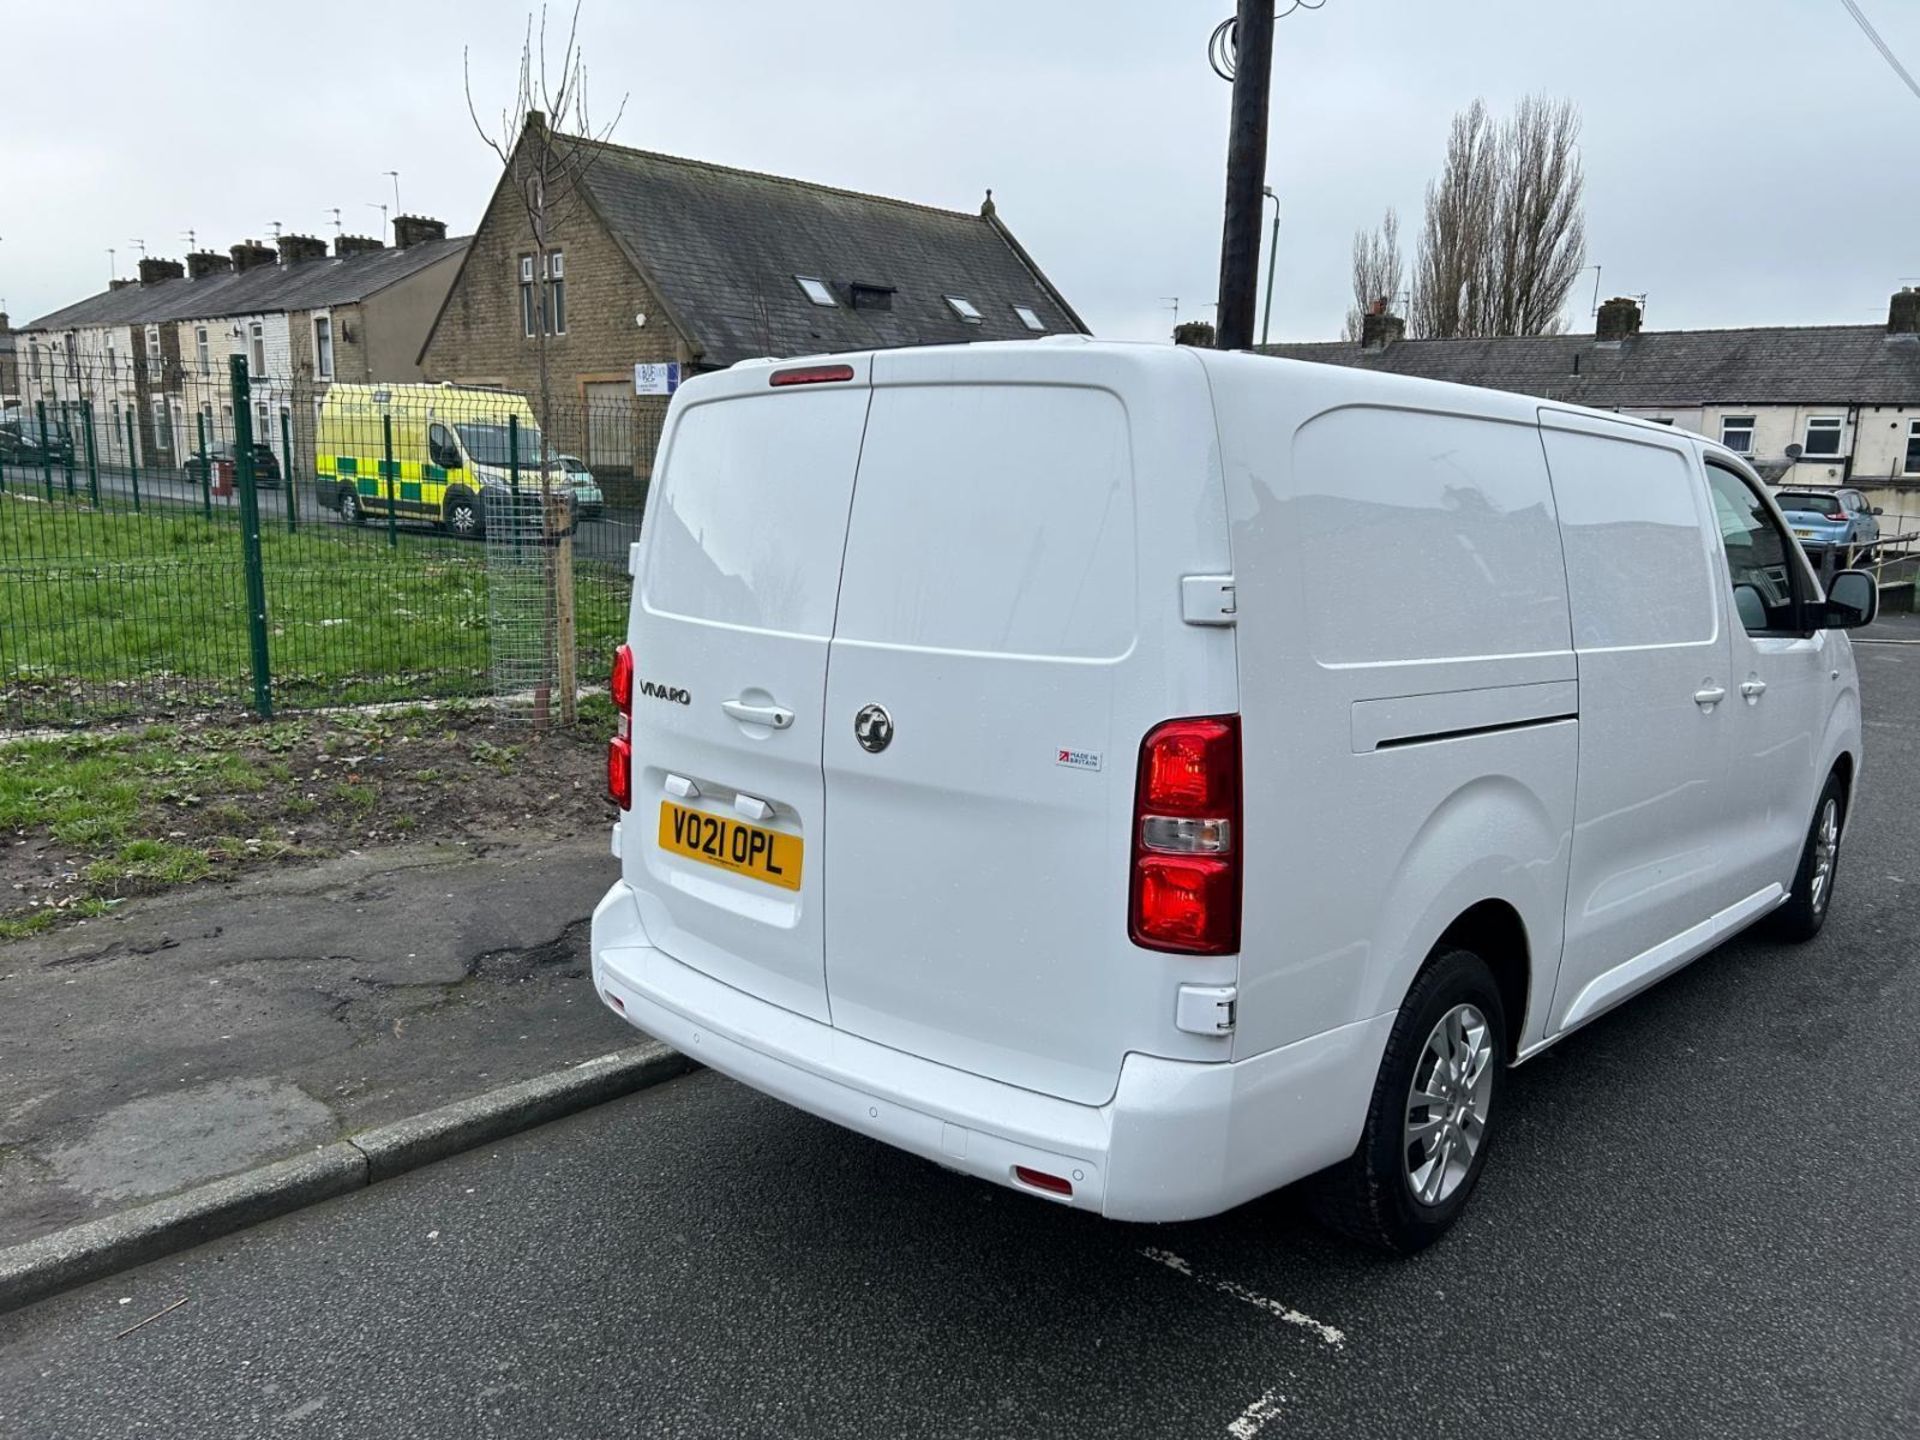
x=1886, y=51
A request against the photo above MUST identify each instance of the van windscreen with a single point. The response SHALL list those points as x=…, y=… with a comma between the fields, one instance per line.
x=490, y=444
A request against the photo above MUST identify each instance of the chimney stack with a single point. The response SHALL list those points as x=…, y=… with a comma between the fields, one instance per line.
x=202, y=263
x=118, y=284
x=1903, y=315
x=345, y=246
x=249, y=253
x=1378, y=329
x=298, y=249
x=409, y=230
x=1619, y=320
x=152, y=271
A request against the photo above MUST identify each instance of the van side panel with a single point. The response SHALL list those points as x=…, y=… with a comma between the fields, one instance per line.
x=1408, y=685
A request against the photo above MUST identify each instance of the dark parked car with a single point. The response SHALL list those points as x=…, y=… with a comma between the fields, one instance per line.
x=266, y=465
x=23, y=443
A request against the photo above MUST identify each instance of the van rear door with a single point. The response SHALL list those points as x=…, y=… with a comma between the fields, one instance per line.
x=991, y=679
x=739, y=570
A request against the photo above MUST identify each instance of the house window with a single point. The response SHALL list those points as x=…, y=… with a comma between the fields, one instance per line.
x=1030, y=318
x=323, y=346
x=73, y=357
x=1823, y=435
x=1660, y=420
x=1736, y=433
x=965, y=309
x=1912, y=465
x=33, y=359
x=113, y=362
x=153, y=351
x=162, y=436
x=262, y=427
x=527, y=301
x=815, y=290
x=202, y=351
x=557, y=291
x=257, y=340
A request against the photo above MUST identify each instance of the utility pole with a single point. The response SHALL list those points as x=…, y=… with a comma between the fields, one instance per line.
x=1246, y=174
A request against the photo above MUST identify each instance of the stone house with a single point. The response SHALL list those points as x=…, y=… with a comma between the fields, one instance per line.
x=1820, y=405
x=652, y=258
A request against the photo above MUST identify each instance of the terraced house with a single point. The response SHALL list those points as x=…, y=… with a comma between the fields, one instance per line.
x=651, y=258
x=149, y=358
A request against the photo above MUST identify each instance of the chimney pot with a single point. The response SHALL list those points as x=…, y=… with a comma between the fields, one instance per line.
x=409, y=230
x=1903, y=314
x=346, y=245
x=250, y=253
x=1619, y=320
x=118, y=284
x=153, y=271
x=298, y=249
x=1198, y=333
x=1378, y=329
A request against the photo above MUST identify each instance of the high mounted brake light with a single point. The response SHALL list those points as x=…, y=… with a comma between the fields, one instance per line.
x=1185, y=890
x=811, y=375
x=620, y=747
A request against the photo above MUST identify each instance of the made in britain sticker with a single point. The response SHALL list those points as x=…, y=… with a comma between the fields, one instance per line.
x=1078, y=759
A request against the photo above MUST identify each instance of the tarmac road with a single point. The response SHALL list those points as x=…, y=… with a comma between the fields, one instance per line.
x=1703, y=1220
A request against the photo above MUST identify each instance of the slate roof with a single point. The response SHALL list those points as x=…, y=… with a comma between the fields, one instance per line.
x=721, y=247
x=1803, y=365
x=263, y=290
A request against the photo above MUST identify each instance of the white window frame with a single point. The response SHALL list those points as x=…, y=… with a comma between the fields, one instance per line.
x=257, y=347
x=153, y=350
x=815, y=289
x=965, y=309
x=1836, y=425
x=1748, y=423
x=323, y=347
x=529, y=306
x=1030, y=317
x=557, y=292
x=1907, y=467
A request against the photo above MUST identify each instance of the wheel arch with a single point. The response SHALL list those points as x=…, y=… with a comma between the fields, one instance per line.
x=1495, y=931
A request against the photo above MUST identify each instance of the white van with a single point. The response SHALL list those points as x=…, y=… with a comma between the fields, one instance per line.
x=1145, y=776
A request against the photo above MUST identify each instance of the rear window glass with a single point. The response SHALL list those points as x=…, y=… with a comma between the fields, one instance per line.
x=993, y=518
x=752, y=512
x=1807, y=500
x=1639, y=570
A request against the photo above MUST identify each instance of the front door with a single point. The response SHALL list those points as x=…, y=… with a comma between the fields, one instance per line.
x=1781, y=680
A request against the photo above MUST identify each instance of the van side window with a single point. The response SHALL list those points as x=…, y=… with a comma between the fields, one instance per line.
x=1767, y=583
x=441, y=450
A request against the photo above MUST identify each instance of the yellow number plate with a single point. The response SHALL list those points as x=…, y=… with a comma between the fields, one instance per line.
x=1804, y=534
x=744, y=849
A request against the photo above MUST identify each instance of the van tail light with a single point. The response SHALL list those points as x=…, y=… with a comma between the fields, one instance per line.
x=620, y=747
x=1185, y=892
x=811, y=375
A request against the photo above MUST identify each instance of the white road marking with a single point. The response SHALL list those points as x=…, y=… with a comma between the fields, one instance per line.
x=1328, y=1334
x=1254, y=1418
x=301, y=1412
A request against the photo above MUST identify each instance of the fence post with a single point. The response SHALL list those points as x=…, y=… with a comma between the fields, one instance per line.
x=250, y=539
x=206, y=464
x=46, y=452
x=133, y=462
x=93, y=453
x=286, y=470
x=513, y=475
x=66, y=454
x=393, y=490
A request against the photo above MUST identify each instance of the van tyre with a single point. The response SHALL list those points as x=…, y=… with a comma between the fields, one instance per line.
x=1432, y=1118
x=1806, y=908
x=350, y=510
x=461, y=515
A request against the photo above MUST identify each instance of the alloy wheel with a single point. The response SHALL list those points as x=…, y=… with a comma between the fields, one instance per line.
x=1448, y=1104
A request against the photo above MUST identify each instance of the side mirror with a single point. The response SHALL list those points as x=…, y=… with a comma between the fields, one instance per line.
x=1750, y=608
x=1853, y=600
x=1878, y=510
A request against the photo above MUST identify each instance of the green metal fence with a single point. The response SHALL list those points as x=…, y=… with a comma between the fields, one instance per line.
x=233, y=540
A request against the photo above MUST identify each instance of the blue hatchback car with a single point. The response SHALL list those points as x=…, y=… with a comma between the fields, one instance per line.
x=1839, y=519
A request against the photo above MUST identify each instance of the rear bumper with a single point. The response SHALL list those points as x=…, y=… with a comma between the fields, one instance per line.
x=1179, y=1140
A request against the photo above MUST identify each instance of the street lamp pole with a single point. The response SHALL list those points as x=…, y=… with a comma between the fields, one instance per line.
x=1246, y=165
x=1273, y=258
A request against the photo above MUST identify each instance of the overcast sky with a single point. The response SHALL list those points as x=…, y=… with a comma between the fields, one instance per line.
x=1748, y=161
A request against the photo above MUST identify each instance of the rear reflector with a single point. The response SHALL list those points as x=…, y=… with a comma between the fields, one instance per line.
x=1185, y=890
x=1040, y=1180
x=811, y=375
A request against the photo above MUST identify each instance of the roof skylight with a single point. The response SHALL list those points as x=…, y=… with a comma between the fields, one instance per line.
x=816, y=290
x=1029, y=317
x=965, y=309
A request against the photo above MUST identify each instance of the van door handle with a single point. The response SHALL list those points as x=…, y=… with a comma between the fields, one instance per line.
x=1753, y=689
x=777, y=717
x=1708, y=696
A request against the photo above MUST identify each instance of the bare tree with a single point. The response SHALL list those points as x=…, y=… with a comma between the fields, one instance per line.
x=547, y=145
x=1378, y=269
x=1504, y=235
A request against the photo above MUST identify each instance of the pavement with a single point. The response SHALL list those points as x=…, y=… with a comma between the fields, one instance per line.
x=1702, y=1220
x=200, y=1034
